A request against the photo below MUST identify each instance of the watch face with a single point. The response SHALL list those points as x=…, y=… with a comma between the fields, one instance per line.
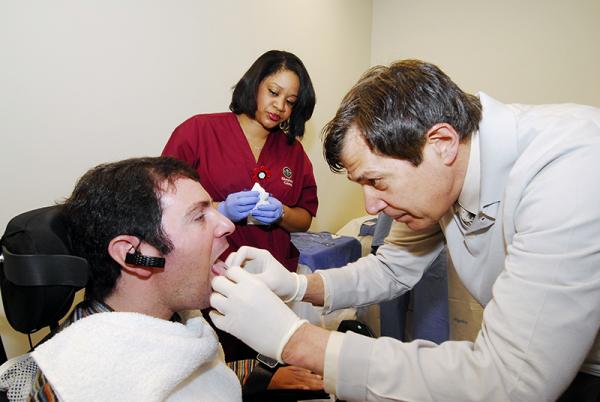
x=266, y=360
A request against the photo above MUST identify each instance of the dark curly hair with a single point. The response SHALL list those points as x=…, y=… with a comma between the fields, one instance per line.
x=114, y=199
x=243, y=99
x=395, y=106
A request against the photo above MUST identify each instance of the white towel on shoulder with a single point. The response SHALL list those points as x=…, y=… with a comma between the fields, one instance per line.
x=128, y=356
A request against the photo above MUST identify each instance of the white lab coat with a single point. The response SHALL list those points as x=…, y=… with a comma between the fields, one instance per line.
x=531, y=257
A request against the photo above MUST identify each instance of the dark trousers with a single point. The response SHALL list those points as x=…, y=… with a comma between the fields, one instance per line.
x=430, y=316
x=584, y=388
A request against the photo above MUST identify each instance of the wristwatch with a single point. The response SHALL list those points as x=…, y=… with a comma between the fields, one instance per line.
x=267, y=361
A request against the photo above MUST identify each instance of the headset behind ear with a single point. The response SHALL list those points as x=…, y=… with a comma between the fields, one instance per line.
x=136, y=258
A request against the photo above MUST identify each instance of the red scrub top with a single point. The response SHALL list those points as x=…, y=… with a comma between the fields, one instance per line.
x=215, y=145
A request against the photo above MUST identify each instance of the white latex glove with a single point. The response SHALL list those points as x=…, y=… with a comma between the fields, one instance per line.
x=248, y=310
x=287, y=285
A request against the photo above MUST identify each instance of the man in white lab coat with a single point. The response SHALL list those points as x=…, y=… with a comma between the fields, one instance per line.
x=512, y=190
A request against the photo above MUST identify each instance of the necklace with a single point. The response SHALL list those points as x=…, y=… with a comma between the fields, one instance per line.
x=255, y=144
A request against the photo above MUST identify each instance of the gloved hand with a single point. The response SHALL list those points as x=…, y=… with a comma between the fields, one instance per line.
x=285, y=284
x=269, y=212
x=248, y=310
x=238, y=205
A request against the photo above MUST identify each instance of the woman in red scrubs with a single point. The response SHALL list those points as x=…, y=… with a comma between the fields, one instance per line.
x=257, y=142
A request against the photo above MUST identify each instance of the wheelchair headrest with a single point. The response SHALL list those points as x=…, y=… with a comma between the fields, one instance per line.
x=39, y=277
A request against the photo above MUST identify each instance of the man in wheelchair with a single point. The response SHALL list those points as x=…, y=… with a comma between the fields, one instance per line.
x=151, y=239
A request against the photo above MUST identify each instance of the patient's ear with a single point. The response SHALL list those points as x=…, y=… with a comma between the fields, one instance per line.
x=119, y=247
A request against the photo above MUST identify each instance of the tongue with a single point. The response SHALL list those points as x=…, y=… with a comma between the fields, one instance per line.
x=219, y=268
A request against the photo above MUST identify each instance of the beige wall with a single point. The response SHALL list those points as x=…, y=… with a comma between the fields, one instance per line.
x=85, y=82
x=535, y=51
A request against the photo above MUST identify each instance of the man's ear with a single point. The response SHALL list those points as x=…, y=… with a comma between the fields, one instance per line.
x=445, y=141
x=118, y=248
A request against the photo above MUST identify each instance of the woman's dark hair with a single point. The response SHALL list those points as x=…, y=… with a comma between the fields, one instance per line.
x=243, y=99
x=115, y=199
x=394, y=107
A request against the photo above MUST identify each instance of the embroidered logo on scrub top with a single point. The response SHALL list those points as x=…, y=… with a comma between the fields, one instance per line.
x=287, y=176
x=261, y=173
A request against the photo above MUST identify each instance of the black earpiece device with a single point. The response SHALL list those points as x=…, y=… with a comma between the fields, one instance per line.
x=136, y=258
